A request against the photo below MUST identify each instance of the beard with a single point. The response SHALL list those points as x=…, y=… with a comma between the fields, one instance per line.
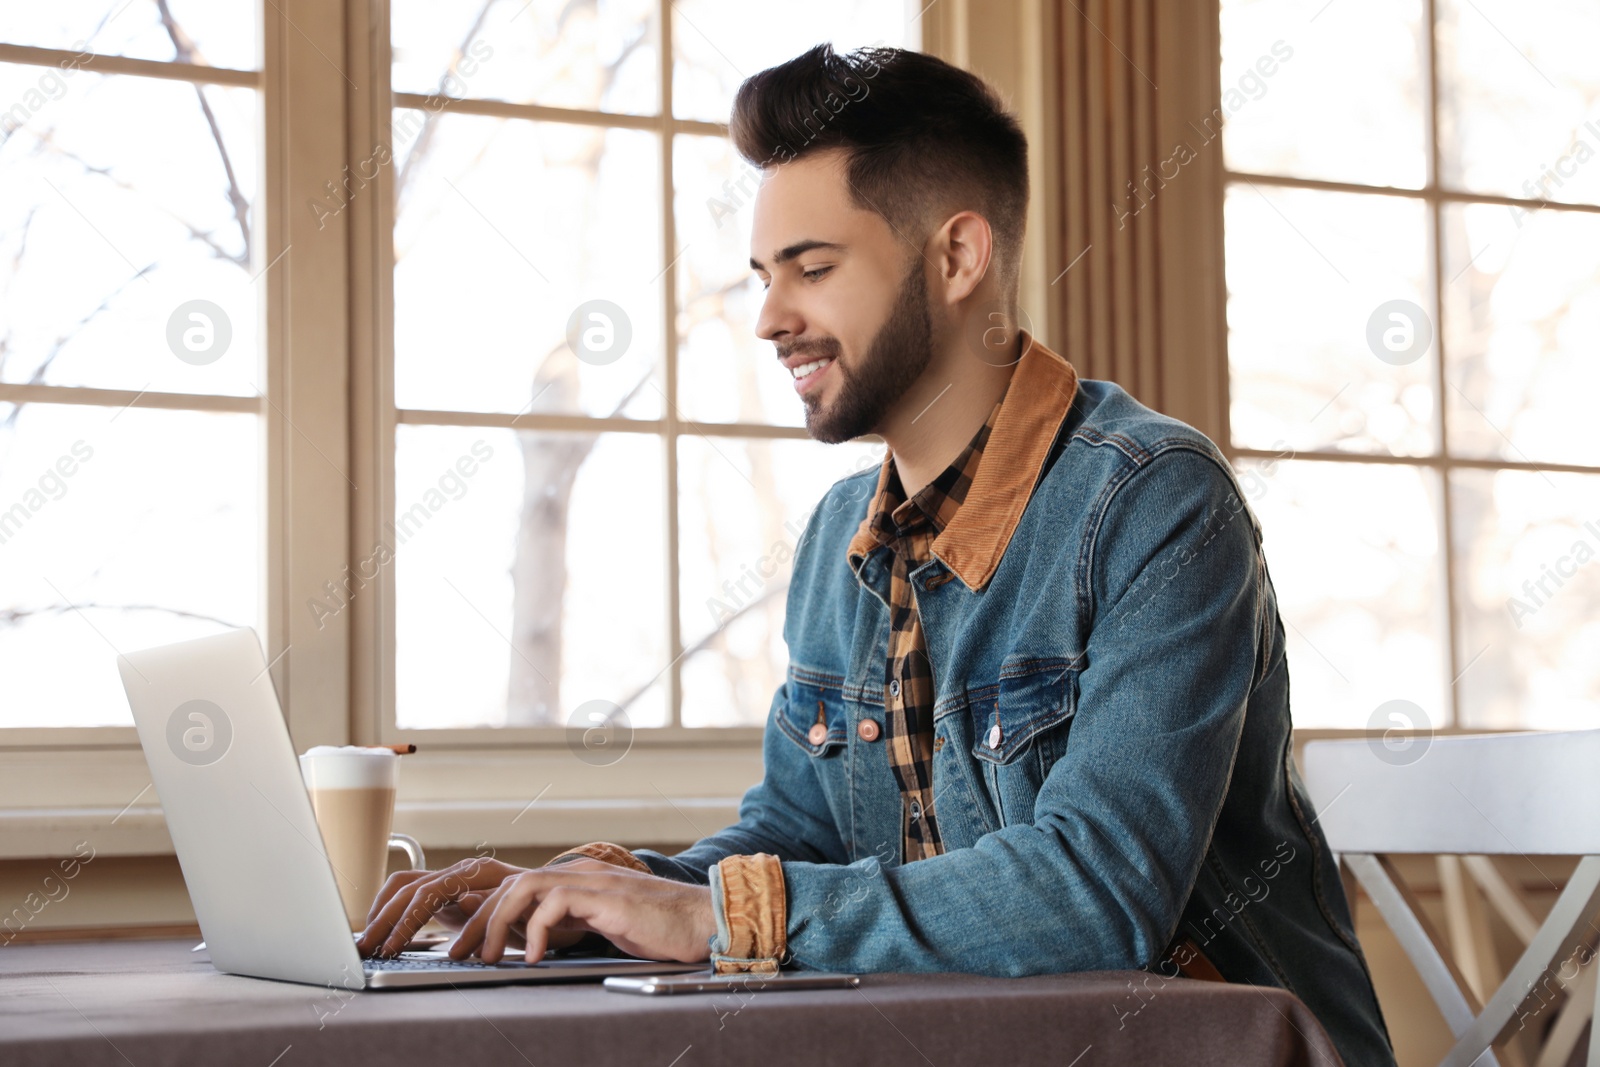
x=896, y=357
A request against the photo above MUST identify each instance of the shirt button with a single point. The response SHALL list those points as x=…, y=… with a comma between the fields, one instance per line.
x=894, y=688
x=994, y=736
x=867, y=730
x=916, y=810
x=818, y=734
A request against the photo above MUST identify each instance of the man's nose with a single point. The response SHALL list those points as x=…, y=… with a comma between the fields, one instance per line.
x=778, y=318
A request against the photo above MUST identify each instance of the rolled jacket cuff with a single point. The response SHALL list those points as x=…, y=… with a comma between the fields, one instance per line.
x=602, y=850
x=751, y=906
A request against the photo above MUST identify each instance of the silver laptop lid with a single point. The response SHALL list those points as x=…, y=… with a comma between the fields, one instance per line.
x=222, y=762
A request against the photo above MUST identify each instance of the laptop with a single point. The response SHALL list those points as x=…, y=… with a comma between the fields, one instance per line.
x=248, y=843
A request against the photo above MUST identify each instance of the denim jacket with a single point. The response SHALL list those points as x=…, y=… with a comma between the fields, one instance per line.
x=1112, y=772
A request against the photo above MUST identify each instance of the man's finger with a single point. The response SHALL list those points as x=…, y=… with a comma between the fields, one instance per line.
x=471, y=934
x=396, y=881
x=516, y=898
x=416, y=902
x=478, y=914
x=562, y=907
x=531, y=887
x=469, y=903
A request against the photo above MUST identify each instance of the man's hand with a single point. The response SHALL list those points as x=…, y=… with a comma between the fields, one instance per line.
x=454, y=895
x=642, y=914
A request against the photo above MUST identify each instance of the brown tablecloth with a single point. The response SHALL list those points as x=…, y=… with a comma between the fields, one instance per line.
x=150, y=1003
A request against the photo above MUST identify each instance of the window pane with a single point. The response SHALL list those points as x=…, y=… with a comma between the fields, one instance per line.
x=1523, y=333
x=598, y=57
x=1354, y=554
x=1528, y=580
x=716, y=44
x=112, y=240
x=743, y=506
x=221, y=33
x=530, y=577
x=507, y=234
x=1313, y=359
x=120, y=530
x=1313, y=89
x=725, y=372
x=1519, y=96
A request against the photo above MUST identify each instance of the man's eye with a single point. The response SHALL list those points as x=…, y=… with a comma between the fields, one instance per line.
x=810, y=275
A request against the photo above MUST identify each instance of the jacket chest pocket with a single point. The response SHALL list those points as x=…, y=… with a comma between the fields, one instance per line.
x=813, y=714
x=1019, y=729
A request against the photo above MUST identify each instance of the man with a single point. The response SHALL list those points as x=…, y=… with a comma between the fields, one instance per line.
x=1037, y=710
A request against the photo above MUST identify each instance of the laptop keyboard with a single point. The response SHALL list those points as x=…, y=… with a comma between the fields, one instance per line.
x=431, y=961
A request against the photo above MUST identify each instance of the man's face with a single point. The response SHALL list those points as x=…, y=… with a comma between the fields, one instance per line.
x=847, y=299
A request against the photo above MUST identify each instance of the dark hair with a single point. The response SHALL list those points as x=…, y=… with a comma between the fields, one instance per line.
x=922, y=136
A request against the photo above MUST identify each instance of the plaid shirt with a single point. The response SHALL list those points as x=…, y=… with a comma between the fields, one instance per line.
x=908, y=527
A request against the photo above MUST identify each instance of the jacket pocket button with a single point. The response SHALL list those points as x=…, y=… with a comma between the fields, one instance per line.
x=994, y=736
x=867, y=730
x=818, y=734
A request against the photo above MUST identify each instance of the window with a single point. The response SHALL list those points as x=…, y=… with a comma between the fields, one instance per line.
x=131, y=373
x=1412, y=209
x=574, y=477
x=599, y=472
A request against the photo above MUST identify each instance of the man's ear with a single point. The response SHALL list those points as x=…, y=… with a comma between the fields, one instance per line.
x=961, y=250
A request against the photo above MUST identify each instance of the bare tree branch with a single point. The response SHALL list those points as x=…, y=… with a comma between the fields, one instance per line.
x=711, y=638
x=240, y=259
x=16, y=269
x=14, y=616
x=61, y=342
x=425, y=136
x=186, y=51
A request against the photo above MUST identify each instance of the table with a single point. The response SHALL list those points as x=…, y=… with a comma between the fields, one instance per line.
x=151, y=1003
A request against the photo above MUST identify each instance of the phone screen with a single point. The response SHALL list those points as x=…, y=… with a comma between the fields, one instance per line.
x=706, y=982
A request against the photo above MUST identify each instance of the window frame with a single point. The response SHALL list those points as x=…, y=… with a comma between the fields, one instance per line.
x=1457, y=659
x=303, y=422
x=377, y=417
x=289, y=483
x=326, y=341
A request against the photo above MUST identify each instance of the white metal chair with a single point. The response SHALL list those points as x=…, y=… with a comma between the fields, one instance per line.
x=1467, y=799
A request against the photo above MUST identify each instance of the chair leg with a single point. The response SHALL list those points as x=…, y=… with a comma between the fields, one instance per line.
x=1568, y=1027
x=1422, y=945
x=1556, y=940
x=1508, y=901
x=1594, y=1014
x=1470, y=938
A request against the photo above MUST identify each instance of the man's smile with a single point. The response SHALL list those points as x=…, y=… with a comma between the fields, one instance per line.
x=807, y=374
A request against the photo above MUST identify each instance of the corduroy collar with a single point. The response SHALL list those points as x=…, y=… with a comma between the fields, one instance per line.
x=972, y=544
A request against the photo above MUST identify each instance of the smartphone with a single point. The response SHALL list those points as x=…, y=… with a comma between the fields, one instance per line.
x=706, y=982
